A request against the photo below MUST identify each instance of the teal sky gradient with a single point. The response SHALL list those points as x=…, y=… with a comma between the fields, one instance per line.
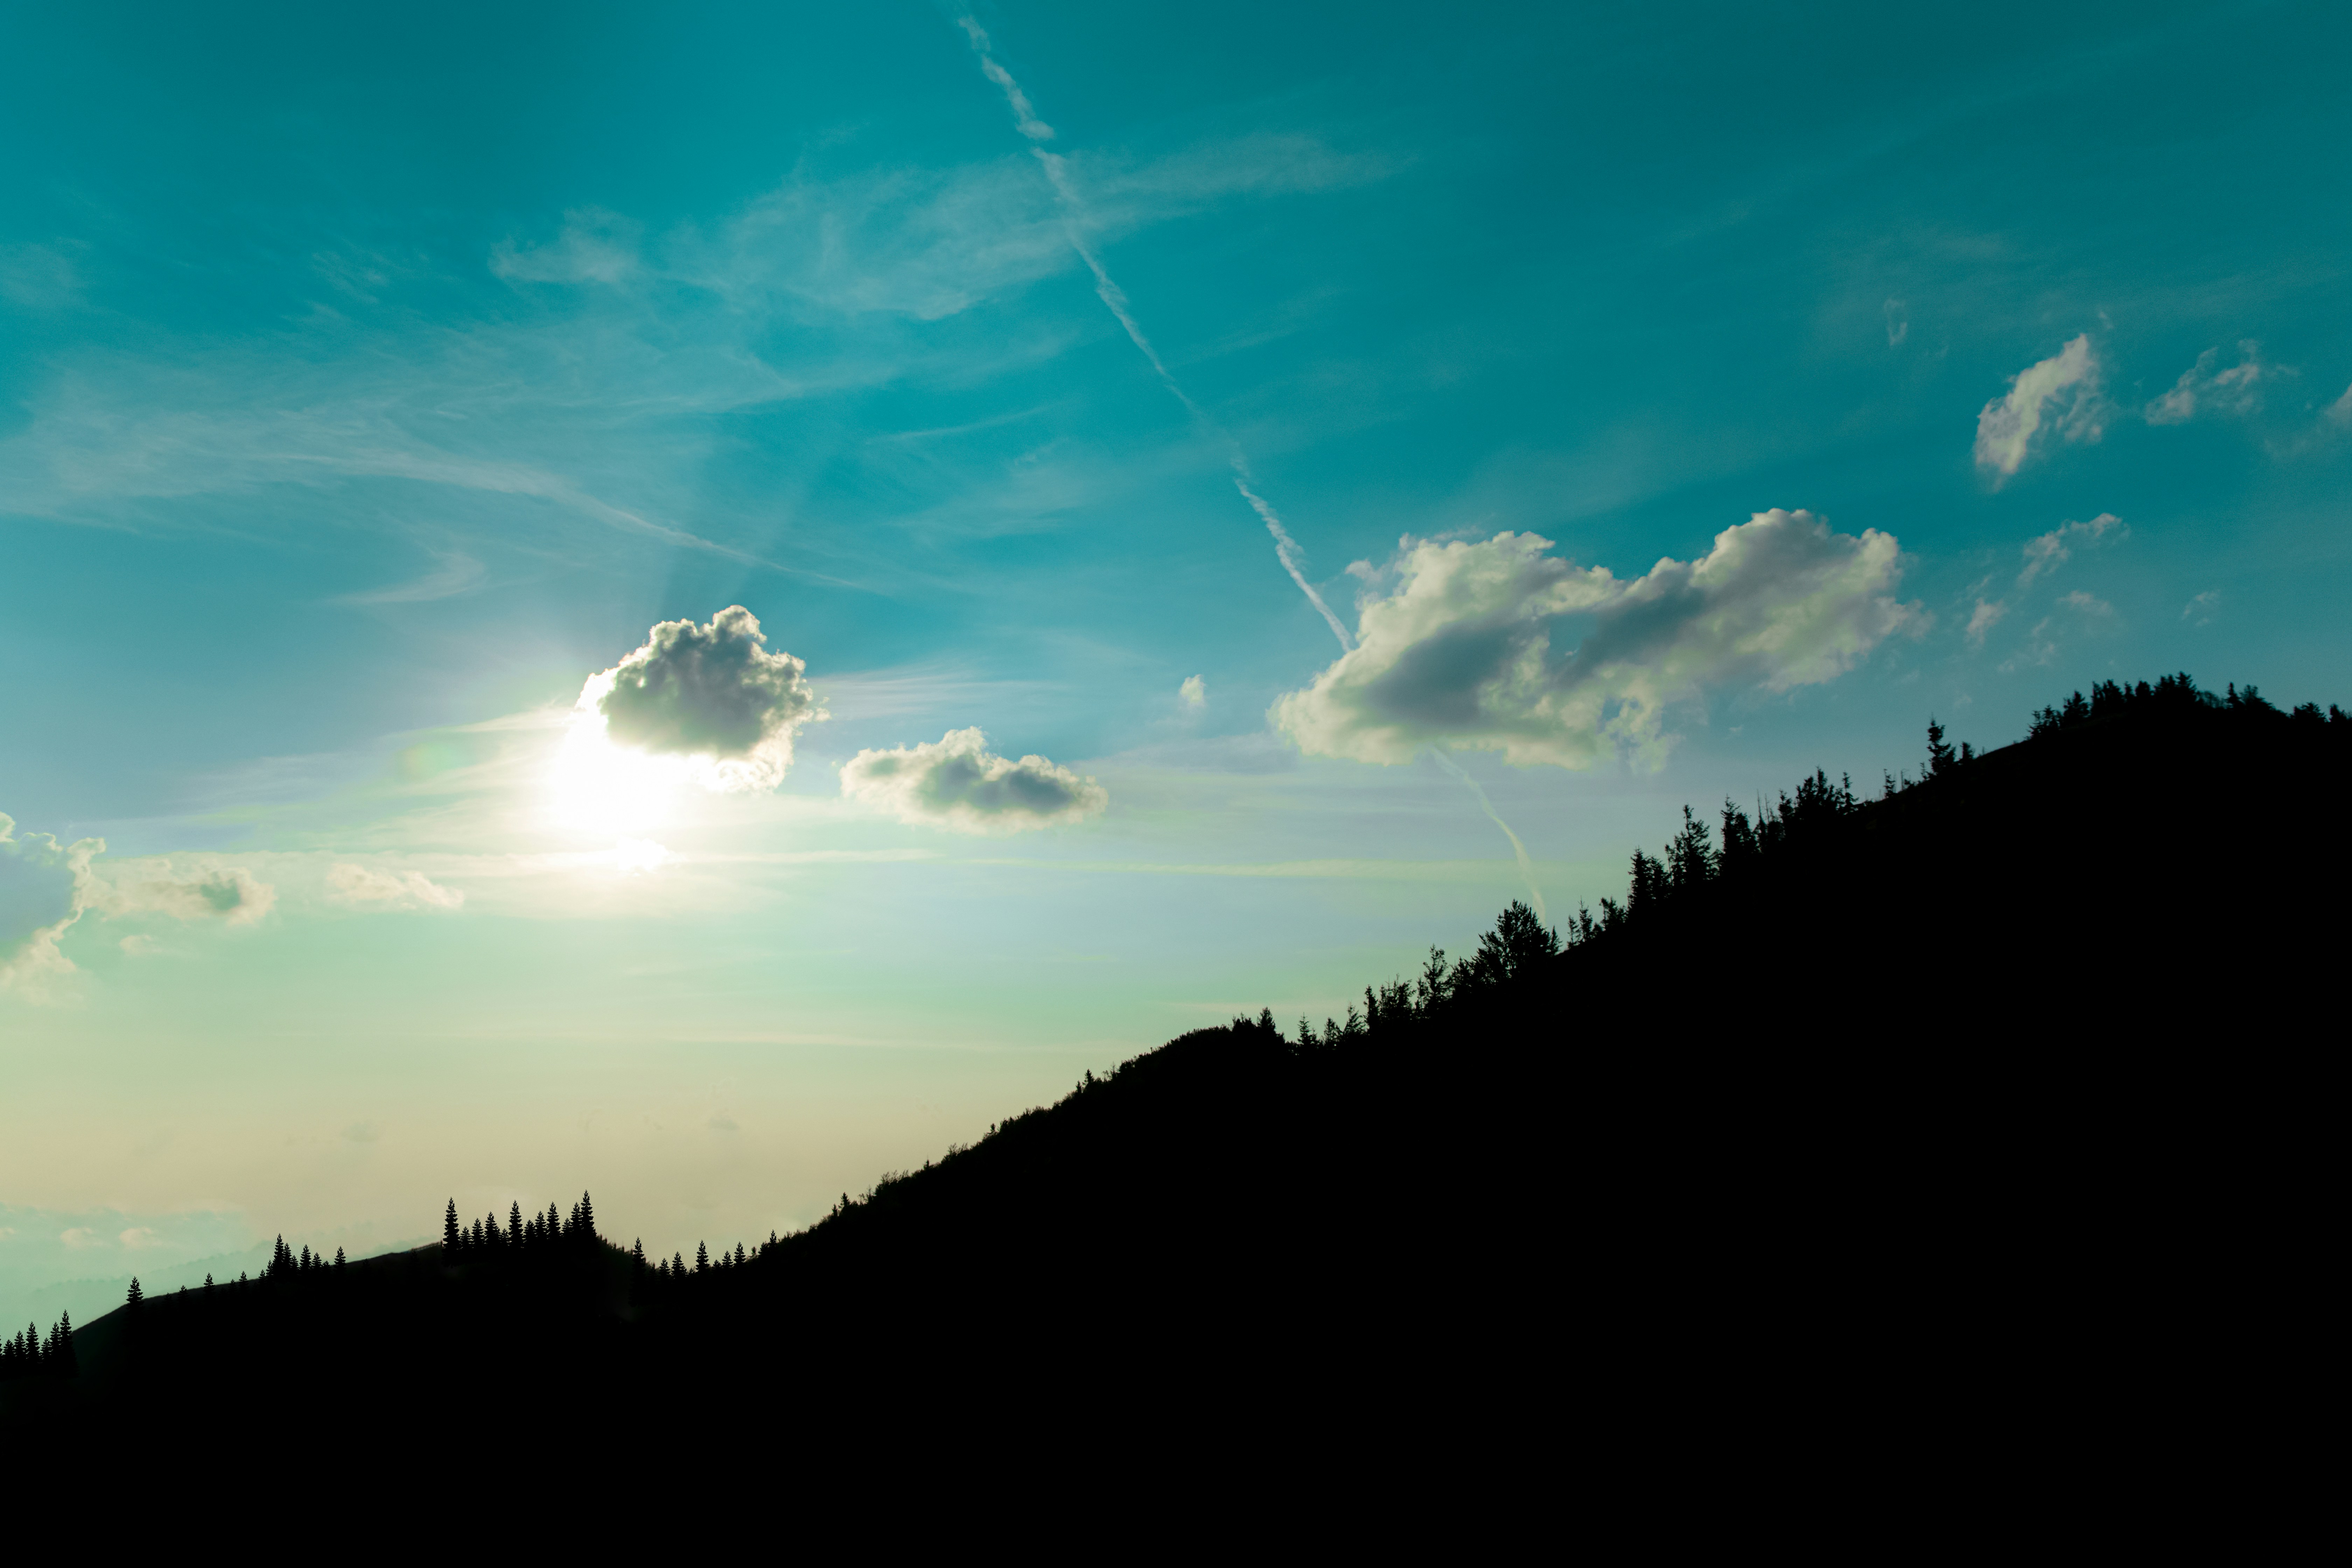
x=372, y=377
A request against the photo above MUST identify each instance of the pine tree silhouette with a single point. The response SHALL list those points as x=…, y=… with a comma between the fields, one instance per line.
x=451, y=1238
x=136, y=1295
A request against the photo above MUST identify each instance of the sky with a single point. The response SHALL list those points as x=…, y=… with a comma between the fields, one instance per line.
x=700, y=602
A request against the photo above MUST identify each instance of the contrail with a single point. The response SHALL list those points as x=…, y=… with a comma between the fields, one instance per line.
x=1114, y=299
x=1527, y=866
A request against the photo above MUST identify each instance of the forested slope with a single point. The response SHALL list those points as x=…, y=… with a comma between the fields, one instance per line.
x=1850, y=1100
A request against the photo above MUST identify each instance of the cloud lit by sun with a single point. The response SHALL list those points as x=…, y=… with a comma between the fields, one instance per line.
x=696, y=708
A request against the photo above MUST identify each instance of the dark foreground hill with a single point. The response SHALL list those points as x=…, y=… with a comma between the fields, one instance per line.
x=1991, y=1119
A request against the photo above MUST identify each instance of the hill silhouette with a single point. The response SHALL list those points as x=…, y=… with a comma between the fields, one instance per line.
x=1991, y=1090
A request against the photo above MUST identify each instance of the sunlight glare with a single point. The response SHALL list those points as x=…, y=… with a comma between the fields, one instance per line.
x=599, y=787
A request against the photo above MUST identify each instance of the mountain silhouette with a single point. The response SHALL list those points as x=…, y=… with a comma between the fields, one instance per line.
x=1999, y=1090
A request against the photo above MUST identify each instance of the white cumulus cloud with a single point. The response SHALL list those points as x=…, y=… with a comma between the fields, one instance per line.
x=712, y=693
x=957, y=783
x=1478, y=643
x=1194, y=694
x=358, y=885
x=2066, y=386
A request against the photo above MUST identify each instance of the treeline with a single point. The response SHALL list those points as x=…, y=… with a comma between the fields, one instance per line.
x=2170, y=694
x=28, y=1355
x=484, y=1239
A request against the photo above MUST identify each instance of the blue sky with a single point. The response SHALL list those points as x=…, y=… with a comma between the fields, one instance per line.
x=371, y=380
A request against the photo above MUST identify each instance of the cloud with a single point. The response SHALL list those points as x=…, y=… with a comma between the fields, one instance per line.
x=2046, y=552
x=2232, y=392
x=2200, y=610
x=228, y=894
x=1462, y=652
x=460, y=573
x=958, y=784
x=594, y=246
x=44, y=888
x=2087, y=603
x=2068, y=380
x=1194, y=694
x=139, y=1237
x=2091, y=613
x=711, y=692
x=357, y=885
x=2340, y=411
x=1898, y=323
x=38, y=278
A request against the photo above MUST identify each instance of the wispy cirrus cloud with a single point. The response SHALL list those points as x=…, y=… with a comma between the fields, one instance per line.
x=363, y=886
x=595, y=246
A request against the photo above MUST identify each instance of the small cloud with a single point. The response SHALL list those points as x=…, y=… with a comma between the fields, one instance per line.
x=722, y=1122
x=1898, y=323
x=81, y=1238
x=363, y=1133
x=2200, y=610
x=38, y=278
x=2339, y=412
x=139, y=1236
x=140, y=945
x=956, y=783
x=2088, y=604
x=358, y=886
x=2066, y=384
x=1194, y=694
x=711, y=692
x=457, y=572
x=227, y=893
x=2046, y=552
x=2233, y=392
x=638, y=857
x=2091, y=613
x=1988, y=615
x=594, y=246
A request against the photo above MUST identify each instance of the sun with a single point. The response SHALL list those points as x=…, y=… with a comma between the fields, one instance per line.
x=597, y=787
